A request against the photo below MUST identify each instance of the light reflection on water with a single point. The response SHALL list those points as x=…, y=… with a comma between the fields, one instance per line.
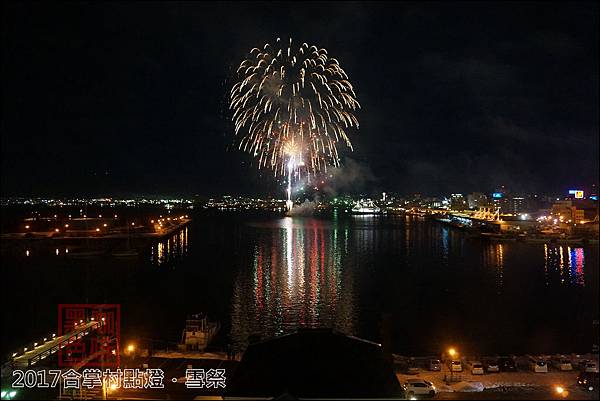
x=170, y=249
x=347, y=273
x=304, y=271
x=564, y=264
x=298, y=281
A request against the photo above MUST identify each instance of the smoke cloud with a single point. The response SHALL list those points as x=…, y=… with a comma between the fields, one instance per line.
x=351, y=177
x=306, y=209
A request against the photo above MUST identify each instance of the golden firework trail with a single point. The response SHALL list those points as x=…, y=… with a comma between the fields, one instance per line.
x=292, y=106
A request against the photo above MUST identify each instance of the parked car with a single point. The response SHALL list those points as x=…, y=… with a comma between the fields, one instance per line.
x=562, y=364
x=456, y=365
x=589, y=366
x=411, y=367
x=492, y=367
x=507, y=364
x=414, y=387
x=435, y=365
x=412, y=370
x=588, y=380
x=538, y=365
x=477, y=368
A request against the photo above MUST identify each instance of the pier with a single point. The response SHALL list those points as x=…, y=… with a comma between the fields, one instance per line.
x=30, y=357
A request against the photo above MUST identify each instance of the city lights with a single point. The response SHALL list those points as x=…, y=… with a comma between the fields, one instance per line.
x=448, y=248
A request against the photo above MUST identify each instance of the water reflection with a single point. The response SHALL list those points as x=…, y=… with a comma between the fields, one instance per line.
x=298, y=279
x=171, y=248
x=576, y=263
x=493, y=260
x=563, y=265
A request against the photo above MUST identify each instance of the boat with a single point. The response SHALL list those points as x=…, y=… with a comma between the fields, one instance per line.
x=498, y=236
x=537, y=240
x=88, y=252
x=198, y=333
x=128, y=252
x=503, y=238
x=570, y=241
x=365, y=207
x=125, y=253
x=85, y=254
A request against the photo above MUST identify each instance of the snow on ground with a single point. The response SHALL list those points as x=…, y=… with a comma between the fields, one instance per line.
x=189, y=355
x=468, y=387
x=473, y=383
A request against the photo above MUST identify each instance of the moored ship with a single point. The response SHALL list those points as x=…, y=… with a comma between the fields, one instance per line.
x=365, y=207
x=198, y=333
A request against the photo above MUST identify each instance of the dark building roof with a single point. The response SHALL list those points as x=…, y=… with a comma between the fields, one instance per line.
x=314, y=364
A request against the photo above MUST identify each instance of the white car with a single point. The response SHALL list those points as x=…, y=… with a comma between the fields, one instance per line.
x=456, y=365
x=538, y=365
x=413, y=387
x=492, y=367
x=562, y=364
x=589, y=366
x=477, y=368
x=435, y=365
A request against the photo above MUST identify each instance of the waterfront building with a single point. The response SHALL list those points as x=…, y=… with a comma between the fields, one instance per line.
x=476, y=200
x=457, y=202
x=518, y=205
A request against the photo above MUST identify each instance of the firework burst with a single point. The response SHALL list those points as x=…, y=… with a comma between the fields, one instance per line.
x=292, y=106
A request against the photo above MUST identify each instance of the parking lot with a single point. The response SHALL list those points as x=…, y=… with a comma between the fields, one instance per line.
x=520, y=384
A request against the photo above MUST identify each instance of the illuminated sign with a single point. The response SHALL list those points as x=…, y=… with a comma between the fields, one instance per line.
x=594, y=197
x=497, y=195
x=577, y=192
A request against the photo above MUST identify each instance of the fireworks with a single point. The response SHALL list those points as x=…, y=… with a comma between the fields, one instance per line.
x=291, y=108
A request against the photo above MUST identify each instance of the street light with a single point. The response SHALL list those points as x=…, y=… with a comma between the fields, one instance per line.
x=560, y=390
x=453, y=355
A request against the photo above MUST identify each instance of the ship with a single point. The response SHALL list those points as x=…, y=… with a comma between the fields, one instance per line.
x=365, y=207
x=198, y=333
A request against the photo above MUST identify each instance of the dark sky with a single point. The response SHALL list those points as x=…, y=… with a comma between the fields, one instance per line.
x=123, y=98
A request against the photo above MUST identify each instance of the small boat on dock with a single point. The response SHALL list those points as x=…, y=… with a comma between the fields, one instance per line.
x=570, y=241
x=85, y=254
x=125, y=253
x=198, y=333
x=537, y=239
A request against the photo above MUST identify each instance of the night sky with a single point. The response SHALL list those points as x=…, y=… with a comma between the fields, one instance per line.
x=111, y=98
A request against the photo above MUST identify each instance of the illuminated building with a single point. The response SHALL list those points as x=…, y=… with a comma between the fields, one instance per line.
x=476, y=199
x=518, y=205
x=457, y=202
